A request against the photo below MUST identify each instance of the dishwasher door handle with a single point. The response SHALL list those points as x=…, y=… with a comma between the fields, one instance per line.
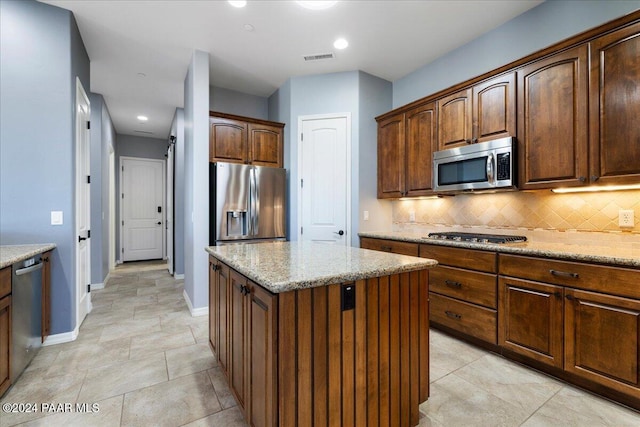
x=27, y=270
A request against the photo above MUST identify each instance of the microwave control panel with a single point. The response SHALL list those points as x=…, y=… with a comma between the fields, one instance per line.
x=504, y=166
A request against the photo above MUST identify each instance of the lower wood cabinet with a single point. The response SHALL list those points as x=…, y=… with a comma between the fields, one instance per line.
x=403, y=248
x=5, y=329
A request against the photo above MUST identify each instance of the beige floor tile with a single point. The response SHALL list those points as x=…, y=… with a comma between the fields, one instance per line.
x=447, y=354
x=513, y=383
x=188, y=360
x=172, y=403
x=130, y=328
x=156, y=342
x=122, y=377
x=571, y=407
x=89, y=356
x=107, y=413
x=201, y=330
x=455, y=402
x=222, y=388
x=231, y=417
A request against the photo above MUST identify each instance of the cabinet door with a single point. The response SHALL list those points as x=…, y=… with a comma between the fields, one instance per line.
x=530, y=319
x=420, y=141
x=213, y=304
x=391, y=157
x=455, y=120
x=265, y=145
x=5, y=340
x=237, y=337
x=46, y=295
x=494, y=108
x=262, y=361
x=615, y=107
x=552, y=121
x=227, y=140
x=222, y=336
x=601, y=339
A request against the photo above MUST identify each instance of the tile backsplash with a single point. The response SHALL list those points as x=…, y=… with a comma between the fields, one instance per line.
x=533, y=210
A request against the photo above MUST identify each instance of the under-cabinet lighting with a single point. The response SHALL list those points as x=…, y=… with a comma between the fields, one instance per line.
x=596, y=188
x=237, y=3
x=420, y=198
x=316, y=4
x=143, y=118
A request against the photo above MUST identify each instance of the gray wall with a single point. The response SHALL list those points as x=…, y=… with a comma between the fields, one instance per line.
x=177, y=130
x=196, y=172
x=374, y=99
x=134, y=146
x=234, y=102
x=42, y=53
x=542, y=26
x=103, y=137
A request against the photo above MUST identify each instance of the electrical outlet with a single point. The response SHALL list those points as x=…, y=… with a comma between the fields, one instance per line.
x=412, y=216
x=625, y=218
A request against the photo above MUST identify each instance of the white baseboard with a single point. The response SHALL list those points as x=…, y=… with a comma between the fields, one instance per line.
x=195, y=312
x=95, y=286
x=178, y=276
x=61, y=338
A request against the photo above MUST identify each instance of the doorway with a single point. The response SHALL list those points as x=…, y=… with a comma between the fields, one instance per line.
x=82, y=205
x=142, y=209
x=324, y=151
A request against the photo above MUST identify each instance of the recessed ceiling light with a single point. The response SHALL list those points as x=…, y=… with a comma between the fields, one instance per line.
x=143, y=118
x=248, y=27
x=340, y=44
x=316, y=4
x=238, y=3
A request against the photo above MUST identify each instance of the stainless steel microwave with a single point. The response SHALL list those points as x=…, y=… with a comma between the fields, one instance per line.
x=486, y=165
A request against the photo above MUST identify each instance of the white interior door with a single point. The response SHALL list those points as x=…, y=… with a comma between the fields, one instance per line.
x=112, y=208
x=142, y=208
x=83, y=205
x=169, y=223
x=325, y=186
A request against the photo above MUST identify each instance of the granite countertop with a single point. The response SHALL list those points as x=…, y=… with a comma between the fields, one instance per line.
x=590, y=252
x=286, y=266
x=10, y=254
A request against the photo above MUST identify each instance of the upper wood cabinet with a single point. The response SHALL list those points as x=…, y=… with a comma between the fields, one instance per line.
x=553, y=120
x=405, y=149
x=237, y=139
x=480, y=113
x=614, y=101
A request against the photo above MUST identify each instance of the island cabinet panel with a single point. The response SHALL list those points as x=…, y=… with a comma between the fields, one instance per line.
x=5, y=328
x=238, y=337
x=614, y=105
x=367, y=365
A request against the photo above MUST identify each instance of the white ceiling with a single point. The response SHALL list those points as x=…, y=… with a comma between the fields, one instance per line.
x=388, y=39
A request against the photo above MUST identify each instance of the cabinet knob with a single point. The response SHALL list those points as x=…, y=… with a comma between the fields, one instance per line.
x=582, y=179
x=594, y=178
x=468, y=141
x=475, y=140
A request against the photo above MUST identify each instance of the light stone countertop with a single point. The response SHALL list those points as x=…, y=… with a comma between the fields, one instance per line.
x=10, y=254
x=592, y=252
x=286, y=266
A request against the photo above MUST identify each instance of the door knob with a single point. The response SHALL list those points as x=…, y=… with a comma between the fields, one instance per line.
x=340, y=233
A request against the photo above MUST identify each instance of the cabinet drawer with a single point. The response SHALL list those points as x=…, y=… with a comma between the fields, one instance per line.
x=5, y=281
x=458, y=257
x=404, y=248
x=471, y=286
x=467, y=318
x=610, y=280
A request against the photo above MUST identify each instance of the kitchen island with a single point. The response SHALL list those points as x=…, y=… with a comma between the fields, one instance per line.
x=314, y=334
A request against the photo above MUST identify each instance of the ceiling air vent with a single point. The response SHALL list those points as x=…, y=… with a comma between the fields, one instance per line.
x=144, y=131
x=319, y=56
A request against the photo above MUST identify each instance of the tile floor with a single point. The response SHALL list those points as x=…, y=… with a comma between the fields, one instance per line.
x=146, y=362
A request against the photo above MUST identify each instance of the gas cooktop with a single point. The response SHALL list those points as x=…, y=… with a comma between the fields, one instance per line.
x=477, y=237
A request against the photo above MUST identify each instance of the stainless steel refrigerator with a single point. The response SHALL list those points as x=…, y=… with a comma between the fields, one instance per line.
x=246, y=203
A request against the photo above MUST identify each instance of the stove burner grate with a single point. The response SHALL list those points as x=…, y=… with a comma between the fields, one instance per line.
x=477, y=237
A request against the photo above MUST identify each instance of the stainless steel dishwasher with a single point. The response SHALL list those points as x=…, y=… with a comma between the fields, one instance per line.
x=26, y=317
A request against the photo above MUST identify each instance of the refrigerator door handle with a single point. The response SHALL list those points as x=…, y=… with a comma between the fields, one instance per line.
x=253, y=195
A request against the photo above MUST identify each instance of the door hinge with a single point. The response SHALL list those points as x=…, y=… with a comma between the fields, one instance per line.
x=123, y=195
x=89, y=288
x=122, y=168
x=301, y=230
x=88, y=179
x=88, y=125
x=122, y=250
x=302, y=183
x=302, y=137
x=88, y=234
x=123, y=222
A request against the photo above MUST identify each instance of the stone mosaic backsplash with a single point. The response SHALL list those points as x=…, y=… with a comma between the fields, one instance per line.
x=534, y=210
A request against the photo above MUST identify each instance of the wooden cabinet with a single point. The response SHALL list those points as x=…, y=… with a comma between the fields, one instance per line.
x=614, y=102
x=46, y=295
x=405, y=149
x=553, y=120
x=480, y=113
x=462, y=291
x=384, y=245
x=582, y=319
x=237, y=139
x=5, y=329
x=242, y=328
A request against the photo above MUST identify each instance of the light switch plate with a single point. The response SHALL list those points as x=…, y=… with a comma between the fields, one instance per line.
x=57, y=218
x=412, y=216
x=365, y=215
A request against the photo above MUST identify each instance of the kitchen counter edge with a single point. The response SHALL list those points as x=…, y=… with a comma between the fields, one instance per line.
x=10, y=254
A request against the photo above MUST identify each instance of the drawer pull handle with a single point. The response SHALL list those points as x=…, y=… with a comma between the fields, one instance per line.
x=386, y=248
x=453, y=315
x=452, y=284
x=564, y=274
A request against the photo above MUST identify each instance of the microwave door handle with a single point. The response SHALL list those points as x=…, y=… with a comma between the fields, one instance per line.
x=490, y=169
